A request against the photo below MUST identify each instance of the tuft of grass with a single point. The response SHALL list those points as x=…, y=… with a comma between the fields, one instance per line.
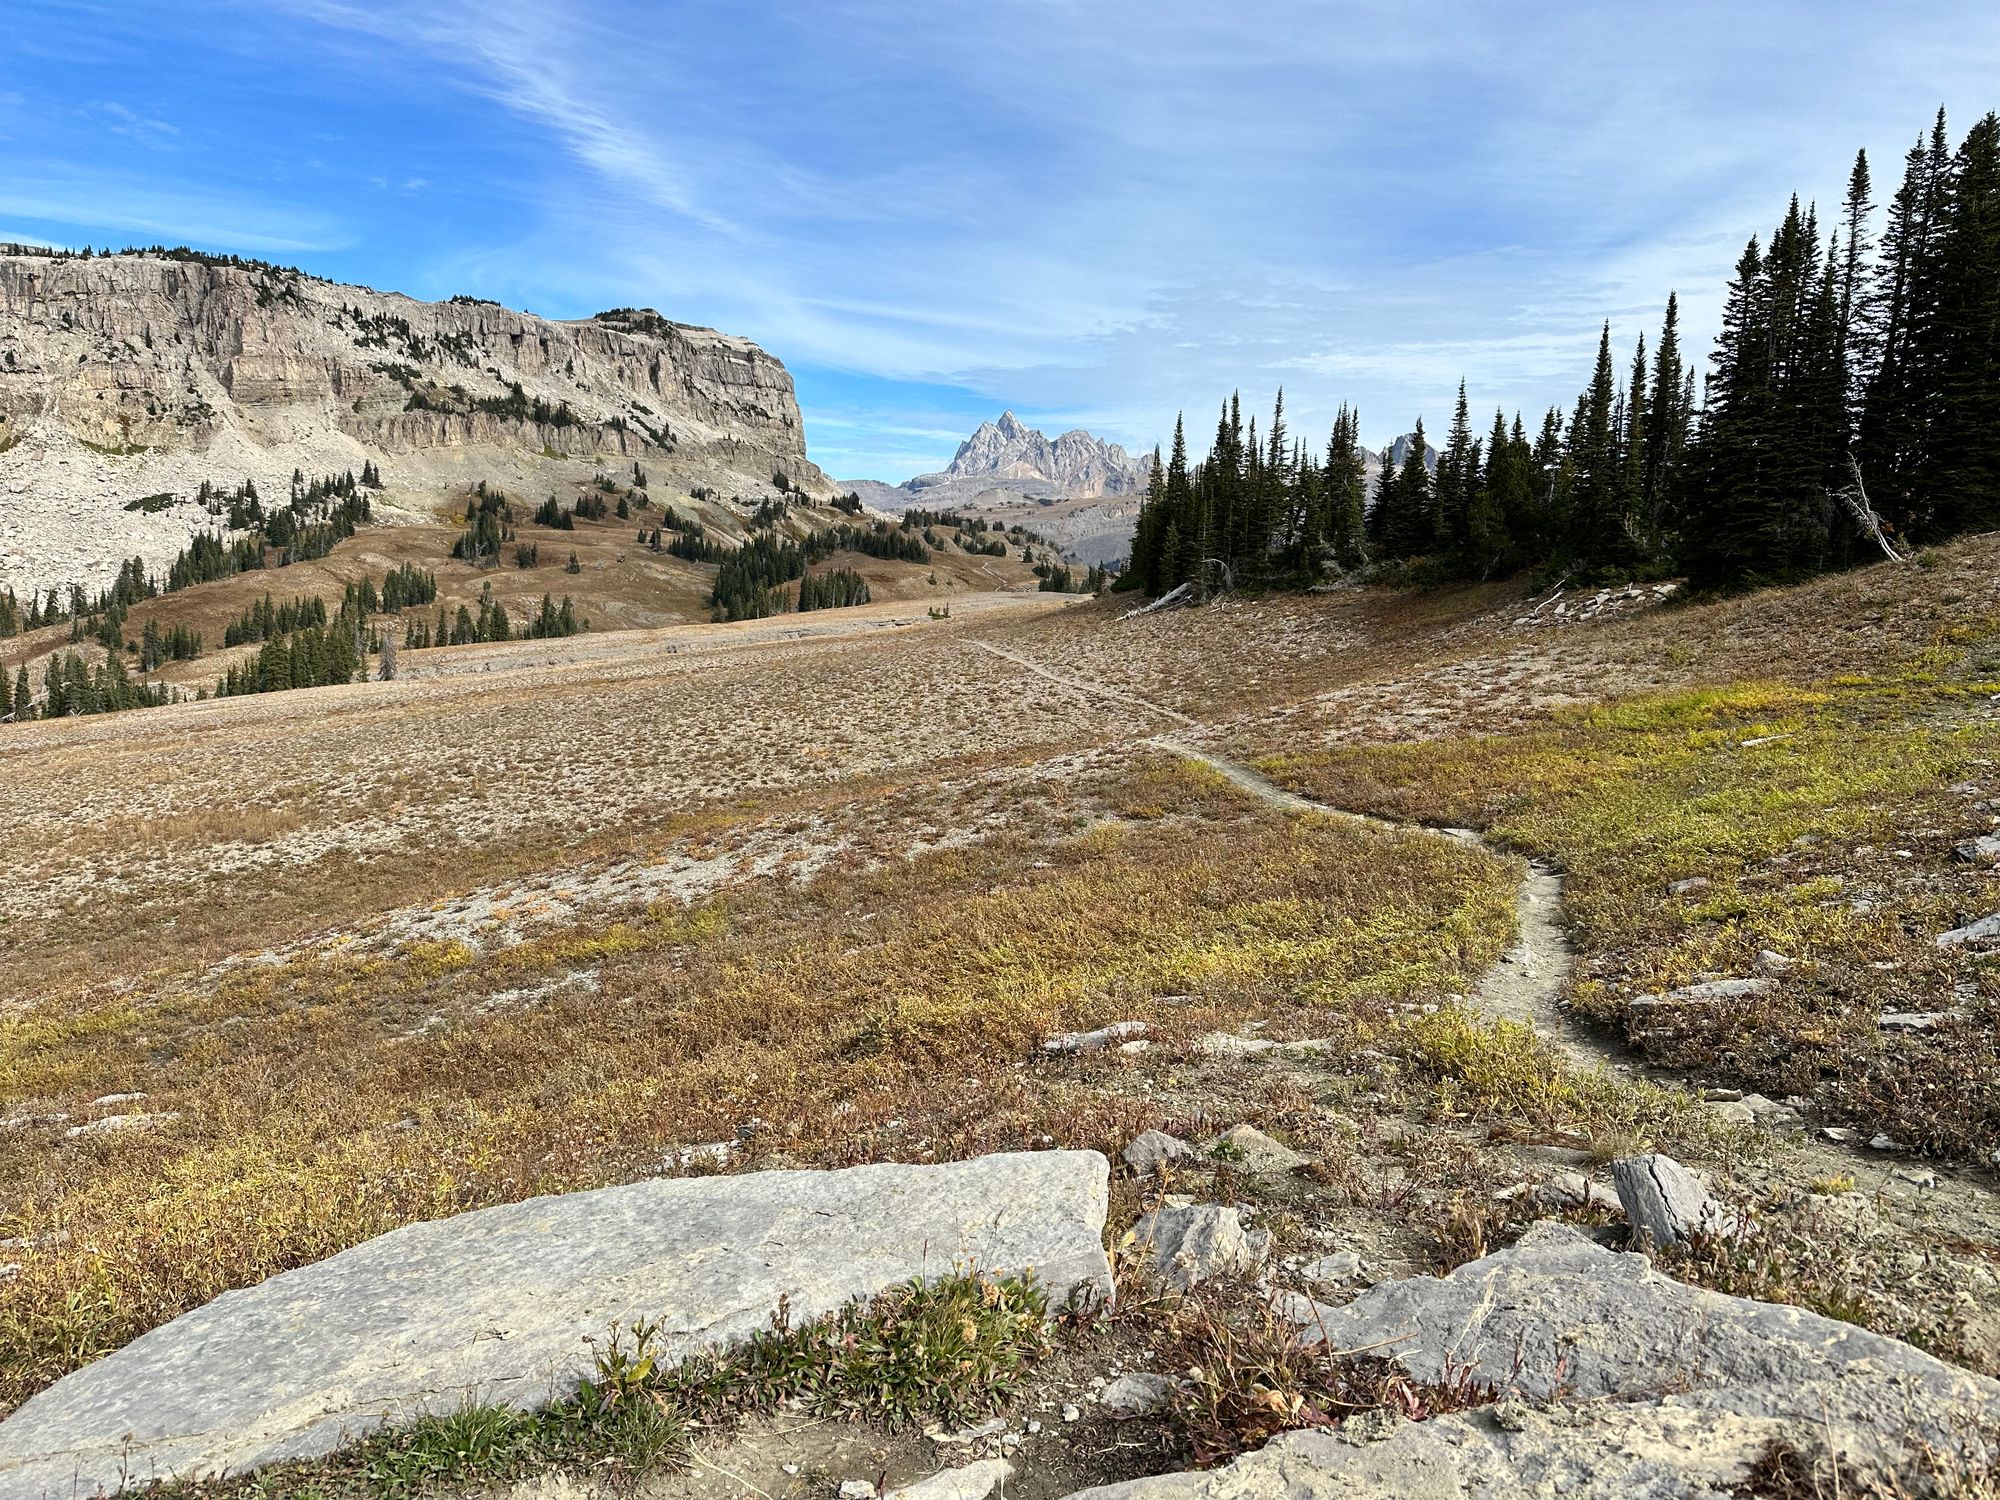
x=942, y=1350
x=1250, y=1375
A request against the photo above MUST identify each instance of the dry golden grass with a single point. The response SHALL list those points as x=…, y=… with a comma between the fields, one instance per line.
x=886, y=1012
x=545, y=917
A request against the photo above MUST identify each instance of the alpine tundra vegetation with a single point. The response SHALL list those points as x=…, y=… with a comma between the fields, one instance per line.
x=550, y=949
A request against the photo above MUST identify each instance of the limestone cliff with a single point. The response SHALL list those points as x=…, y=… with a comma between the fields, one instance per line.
x=143, y=374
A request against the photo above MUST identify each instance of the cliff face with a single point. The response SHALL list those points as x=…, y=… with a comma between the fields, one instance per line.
x=128, y=376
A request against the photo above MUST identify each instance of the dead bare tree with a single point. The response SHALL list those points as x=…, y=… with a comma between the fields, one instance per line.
x=1855, y=498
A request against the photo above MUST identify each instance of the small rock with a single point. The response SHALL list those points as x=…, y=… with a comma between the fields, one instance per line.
x=1980, y=851
x=857, y=1489
x=1070, y=1413
x=1136, y=1395
x=1227, y=1044
x=1034, y=1426
x=1574, y=1190
x=1254, y=1151
x=1664, y=1200
x=1340, y=1265
x=1195, y=1243
x=1840, y=1135
x=973, y=1481
x=792, y=1469
x=1974, y=934
x=1774, y=963
x=1883, y=1143
x=1095, y=1041
x=111, y=1101
x=9, y=1270
x=991, y=1427
x=1911, y=1020
x=1150, y=1150
x=1689, y=887
x=111, y=1124
x=1134, y=1049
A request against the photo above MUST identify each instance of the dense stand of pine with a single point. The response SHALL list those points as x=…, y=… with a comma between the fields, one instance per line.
x=1853, y=382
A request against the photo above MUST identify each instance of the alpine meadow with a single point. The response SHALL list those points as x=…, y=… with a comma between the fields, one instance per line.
x=1439, y=936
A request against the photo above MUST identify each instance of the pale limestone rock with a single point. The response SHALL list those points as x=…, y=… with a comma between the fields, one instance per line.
x=494, y=1307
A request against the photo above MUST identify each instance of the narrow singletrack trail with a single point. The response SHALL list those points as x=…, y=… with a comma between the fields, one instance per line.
x=1088, y=689
x=1527, y=984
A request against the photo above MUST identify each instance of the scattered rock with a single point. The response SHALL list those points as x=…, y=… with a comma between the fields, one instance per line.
x=1193, y=1243
x=973, y=1481
x=1228, y=1044
x=112, y=1124
x=1705, y=994
x=1974, y=934
x=1574, y=1190
x=1674, y=1382
x=34, y=1121
x=1136, y=1395
x=112, y=1101
x=992, y=1427
x=1664, y=1200
x=1071, y=1413
x=1980, y=851
x=1339, y=1266
x=1774, y=963
x=1094, y=1041
x=1884, y=1142
x=857, y=1489
x=1248, y=1147
x=1693, y=886
x=493, y=1307
x=1150, y=1150
x=1911, y=1020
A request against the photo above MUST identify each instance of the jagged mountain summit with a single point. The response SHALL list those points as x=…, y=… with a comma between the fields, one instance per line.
x=128, y=380
x=1076, y=489
x=1073, y=466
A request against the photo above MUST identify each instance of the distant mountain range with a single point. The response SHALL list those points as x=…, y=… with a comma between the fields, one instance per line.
x=1076, y=490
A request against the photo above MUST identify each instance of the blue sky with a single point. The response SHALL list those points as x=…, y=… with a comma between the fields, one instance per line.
x=1096, y=213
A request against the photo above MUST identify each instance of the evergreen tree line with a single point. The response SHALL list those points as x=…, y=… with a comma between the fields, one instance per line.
x=266, y=620
x=174, y=643
x=749, y=578
x=1855, y=385
x=489, y=524
x=71, y=685
x=839, y=588
x=1059, y=578
x=490, y=622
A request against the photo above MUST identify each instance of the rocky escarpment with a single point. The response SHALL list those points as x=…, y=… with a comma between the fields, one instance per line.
x=136, y=375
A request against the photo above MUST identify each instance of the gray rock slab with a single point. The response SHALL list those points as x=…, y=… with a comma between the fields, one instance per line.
x=973, y=1481
x=1557, y=1316
x=1150, y=1150
x=1188, y=1244
x=1248, y=1148
x=1596, y=1453
x=1664, y=1199
x=1980, y=934
x=1136, y=1395
x=494, y=1307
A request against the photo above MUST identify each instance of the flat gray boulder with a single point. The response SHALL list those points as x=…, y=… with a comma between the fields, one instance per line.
x=1594, y=1453
x=494, y=1307
x=1559, y=1317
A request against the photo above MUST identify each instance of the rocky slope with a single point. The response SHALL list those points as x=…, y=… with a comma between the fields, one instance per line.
x=144, y=374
